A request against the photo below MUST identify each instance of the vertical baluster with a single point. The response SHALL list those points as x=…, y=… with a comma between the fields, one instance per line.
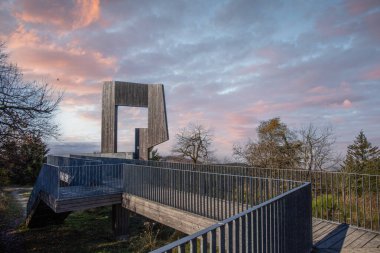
x=213, y=240
x=321, y=194
x=370, y=200
x=349, y=196
x=222, y=239
x=255, y=233
x=344, y=198
x=204, y=243
x=363, y=200
x=182, y=248
x=231, y=193
x=193, y=245
x=377, y=203
x=249, y=232
x=243, y=234
x=219, y=197
x=214, y=184
x=357, y=201
x=332, y=196
x=230, y=239
x=260, y=234
x=237, y=235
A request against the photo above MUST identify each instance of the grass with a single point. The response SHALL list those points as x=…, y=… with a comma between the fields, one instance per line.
x=360, y=211
x=9, y=209
x=87, y=231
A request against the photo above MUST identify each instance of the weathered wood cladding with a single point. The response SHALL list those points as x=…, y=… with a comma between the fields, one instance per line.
x=116, y=94
x=142, y=147
x=183, y=221
x=131, y=94
x=109, y=119
x=157, y=122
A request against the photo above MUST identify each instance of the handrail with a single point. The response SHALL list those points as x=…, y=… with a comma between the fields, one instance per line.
x=47, y=181
x=212, y=195
x=246, y=204
x=191, y=239
x=342, y=197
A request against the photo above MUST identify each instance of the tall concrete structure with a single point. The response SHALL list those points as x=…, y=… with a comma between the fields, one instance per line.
x=151, y=96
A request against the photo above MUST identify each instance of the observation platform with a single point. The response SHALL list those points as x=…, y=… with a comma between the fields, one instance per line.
x=219, y=211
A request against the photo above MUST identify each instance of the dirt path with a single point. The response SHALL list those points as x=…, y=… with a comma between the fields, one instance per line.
x=9, y=240
x=21, y=196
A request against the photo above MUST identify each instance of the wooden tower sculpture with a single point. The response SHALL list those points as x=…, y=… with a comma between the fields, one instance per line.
x=151, y=96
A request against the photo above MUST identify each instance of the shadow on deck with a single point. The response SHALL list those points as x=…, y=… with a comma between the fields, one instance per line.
x=331, y=237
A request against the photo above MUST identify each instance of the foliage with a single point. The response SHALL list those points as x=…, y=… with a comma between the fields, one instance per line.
x=26, y=119
x=277, y=146
x=21, y=160
x=362, y=157
x=155, y=155
x=194, y=142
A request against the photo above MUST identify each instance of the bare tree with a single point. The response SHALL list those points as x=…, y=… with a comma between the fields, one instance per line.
x=26, y=108
x=317, y=151
x=194, y=142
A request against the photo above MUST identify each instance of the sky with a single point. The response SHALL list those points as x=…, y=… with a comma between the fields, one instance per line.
x=227, y=65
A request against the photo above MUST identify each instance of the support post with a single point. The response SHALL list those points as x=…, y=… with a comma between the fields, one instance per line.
x=120, y=221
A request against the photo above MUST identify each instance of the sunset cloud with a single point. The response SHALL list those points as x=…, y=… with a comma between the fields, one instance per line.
x=64, y=15
x=227, y=65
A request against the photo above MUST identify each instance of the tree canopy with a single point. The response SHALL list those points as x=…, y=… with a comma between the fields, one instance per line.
x=276, y=147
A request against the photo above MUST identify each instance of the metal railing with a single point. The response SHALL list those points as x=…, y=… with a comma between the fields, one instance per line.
x=47, y=181
x=90, y=180
x=71, y=161
x=258, y=214
x=212, y=195
x=337, y=196
x=280, y=224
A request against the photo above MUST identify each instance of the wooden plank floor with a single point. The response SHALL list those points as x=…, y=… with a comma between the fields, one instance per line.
x=331, y=237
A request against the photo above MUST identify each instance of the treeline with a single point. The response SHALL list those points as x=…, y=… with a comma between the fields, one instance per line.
x=309, y=148
x=277, y=146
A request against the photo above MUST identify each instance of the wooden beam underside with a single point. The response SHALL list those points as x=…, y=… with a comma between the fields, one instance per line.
x=183, y=221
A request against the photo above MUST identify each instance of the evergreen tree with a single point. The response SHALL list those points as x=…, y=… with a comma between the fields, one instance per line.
x=361, y=156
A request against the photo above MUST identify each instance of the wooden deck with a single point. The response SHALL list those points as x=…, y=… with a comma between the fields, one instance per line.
x=328, y=237
x=331, y=237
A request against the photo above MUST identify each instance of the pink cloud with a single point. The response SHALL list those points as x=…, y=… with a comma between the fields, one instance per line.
x=65, y=15
x=358, y=7
x=319, y=90
x=67, y=67
x=271, y=53
x=347, y=103
x=239, y=118
x=373, y=74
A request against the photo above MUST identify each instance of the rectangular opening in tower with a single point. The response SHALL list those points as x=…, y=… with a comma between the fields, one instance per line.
x=129, y=118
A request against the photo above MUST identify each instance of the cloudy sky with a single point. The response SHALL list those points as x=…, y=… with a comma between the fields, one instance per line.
x=225, y=64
